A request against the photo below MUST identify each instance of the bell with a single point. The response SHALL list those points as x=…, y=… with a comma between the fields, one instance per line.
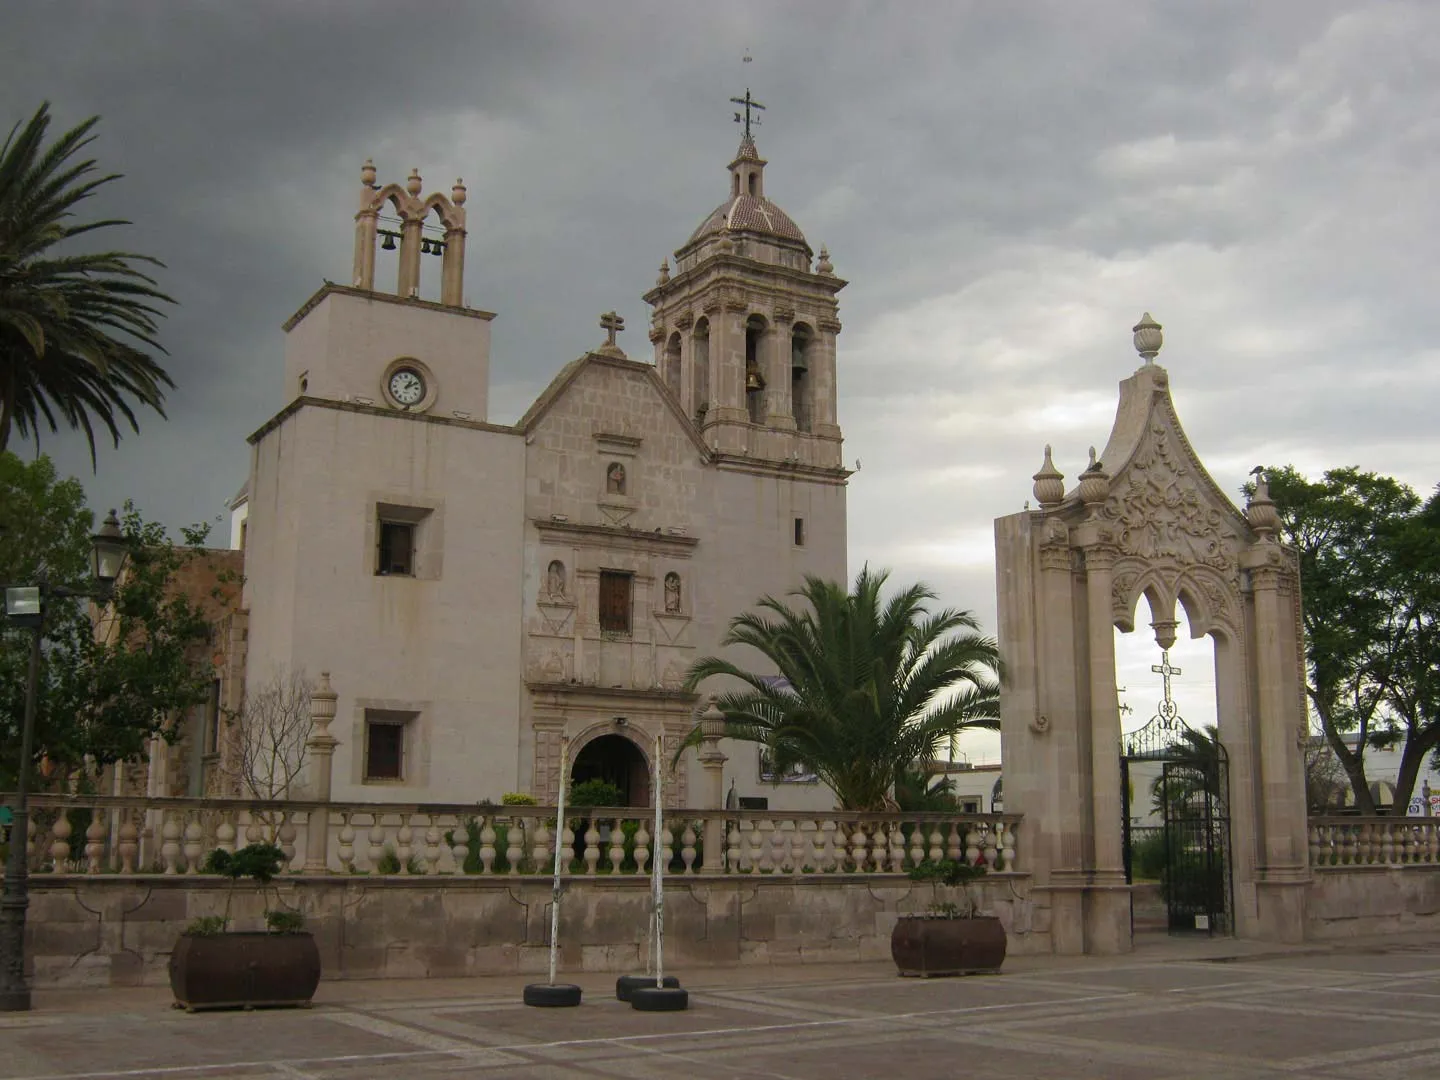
x=437, y=247
x=389, y=244
x=753, y=380
x=424, y=247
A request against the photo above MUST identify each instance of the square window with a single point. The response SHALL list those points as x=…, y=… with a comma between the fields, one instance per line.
x=397, y=549
x=384, y=746
x=799, y=532
x=615, y=592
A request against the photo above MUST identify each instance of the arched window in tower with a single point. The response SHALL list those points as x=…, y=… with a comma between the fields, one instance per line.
x=671, y=372
x=753, y=178
x=615, y=479
x=754, y=376
x=801, y=342
x=700, y=377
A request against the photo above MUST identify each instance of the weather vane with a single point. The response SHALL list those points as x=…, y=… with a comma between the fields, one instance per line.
x=749, y=103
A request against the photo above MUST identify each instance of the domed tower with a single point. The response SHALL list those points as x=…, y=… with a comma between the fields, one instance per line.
x=744, y=329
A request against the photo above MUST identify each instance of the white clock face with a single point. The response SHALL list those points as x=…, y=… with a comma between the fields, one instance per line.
x=407, y=387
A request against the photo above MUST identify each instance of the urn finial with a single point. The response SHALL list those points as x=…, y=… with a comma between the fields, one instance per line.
x=1148, y=337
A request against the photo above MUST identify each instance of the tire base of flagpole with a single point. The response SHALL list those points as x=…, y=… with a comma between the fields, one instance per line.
x=659, y=999
x=552, y=995
x=626, y=985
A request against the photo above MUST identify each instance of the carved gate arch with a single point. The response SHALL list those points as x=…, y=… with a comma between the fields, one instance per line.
x=1146, y=519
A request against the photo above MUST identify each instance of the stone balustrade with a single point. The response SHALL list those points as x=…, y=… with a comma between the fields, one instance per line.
x=96, y=835
x=1374, y=841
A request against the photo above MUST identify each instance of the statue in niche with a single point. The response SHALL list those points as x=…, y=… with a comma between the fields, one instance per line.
x=672, y=594
x=555, y=579
x=615, y=479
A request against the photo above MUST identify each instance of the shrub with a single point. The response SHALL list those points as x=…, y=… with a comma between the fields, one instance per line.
x=207, y=926
x=595, y=793
x=518, y=798
x=1147, y=856
x=945, y=872
x=285, y=922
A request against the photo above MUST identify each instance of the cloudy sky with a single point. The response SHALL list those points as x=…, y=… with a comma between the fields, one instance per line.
x=1007, y=186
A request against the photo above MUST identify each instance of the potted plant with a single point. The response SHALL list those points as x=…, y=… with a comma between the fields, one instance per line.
x=213, y=967
x=949, y=938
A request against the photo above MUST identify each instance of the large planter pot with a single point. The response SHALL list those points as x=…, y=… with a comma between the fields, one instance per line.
x=931, y=945
x=240, y=970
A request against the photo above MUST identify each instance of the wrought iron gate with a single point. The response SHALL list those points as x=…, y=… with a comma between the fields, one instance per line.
x=1190, y=849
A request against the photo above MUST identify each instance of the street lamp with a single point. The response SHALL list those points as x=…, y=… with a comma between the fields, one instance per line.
x=25, y=607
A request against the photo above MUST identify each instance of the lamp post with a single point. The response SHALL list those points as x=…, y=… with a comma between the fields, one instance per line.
x=25, y=607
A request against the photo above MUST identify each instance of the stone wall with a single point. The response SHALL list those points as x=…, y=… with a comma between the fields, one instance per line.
x=119, y=930
x=1353, y=901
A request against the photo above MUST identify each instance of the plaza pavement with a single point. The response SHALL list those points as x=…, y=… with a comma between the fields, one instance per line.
x=1173, y=1009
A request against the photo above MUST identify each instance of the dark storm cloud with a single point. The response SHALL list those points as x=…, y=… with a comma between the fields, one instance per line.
x=1007, y=186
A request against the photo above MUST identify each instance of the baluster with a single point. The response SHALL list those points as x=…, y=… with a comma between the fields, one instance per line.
x=937, y=843
x=896, y=836
x=857, y=846
x=732, y=848
x=881, y=851
x=567, y=845
x=751, y=836
x=1432, y=842
x=60, y=843
x=992, y=849
x=1007, y=846
x=1314, y=831
x=1387, y=845
x=286, y=835
x=225, y=832
x=972, y=844
x=592, y=848
x=1347, y=843
x=404, y=841
x=806, y=858
x=687, y=848
x=617, y=845
x=376, y=852
x=194, y=842
x=829, y=862
x=1407, y=843
x=953, y=849
x=254, y=831
x=780, y=840
x=170, y=842
x=129, y=842
x=515, y=844
x=760, y=846
x=665, y=849
x=346, y=847
x=487, y=845
x=917, y=843
x=642, y=847
x=432, y=844
x=541, y=848
x=95, y=841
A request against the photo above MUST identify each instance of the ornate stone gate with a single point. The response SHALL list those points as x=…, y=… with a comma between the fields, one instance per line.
x=1145, y=518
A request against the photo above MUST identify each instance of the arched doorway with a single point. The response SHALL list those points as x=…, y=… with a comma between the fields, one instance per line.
x=617, y=760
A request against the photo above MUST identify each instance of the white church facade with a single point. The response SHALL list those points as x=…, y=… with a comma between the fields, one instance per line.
x=479, y=591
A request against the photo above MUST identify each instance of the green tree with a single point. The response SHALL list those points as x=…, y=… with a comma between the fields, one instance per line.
x=102, y=695
x=77, y=329
x=1191, y=772
x=1370, y=577
x=867, y=687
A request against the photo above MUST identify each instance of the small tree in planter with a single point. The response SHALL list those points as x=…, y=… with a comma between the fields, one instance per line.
x=213, y=967
x=949, y=938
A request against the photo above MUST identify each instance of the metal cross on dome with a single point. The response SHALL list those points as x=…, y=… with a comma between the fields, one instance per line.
x=1165, y=670
x=749, y=103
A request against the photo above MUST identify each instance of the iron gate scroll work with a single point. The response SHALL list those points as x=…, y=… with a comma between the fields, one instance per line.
x=1191, y=796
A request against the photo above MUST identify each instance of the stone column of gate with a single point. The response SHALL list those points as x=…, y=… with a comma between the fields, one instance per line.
x=712, y=727
x=1282, y=872
x=321, y=745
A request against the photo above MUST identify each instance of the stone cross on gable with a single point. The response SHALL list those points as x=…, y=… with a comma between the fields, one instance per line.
x=611, y=323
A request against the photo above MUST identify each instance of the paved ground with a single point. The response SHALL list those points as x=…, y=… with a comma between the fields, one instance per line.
x=1172, y=1010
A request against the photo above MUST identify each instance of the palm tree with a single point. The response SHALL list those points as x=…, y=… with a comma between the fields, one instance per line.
x=1192, y=772
x=76, y=329
x=866, y=687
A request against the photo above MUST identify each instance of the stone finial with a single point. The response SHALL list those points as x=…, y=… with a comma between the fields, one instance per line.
x=322, y=708
x=612, y=324
x=1260, y=508
x=1049, y=483
x=367, y=173
x=1148, y=337
x=458, y=194
x=727, y=242
x=664, y=272
x=1094, y=483
x=414, y=184
x=824, y=266
x=712, y=721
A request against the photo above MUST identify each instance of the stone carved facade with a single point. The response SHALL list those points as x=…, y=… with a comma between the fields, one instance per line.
x=1147, y=520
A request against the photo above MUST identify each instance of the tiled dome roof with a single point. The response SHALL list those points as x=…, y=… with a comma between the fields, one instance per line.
x=753, y=213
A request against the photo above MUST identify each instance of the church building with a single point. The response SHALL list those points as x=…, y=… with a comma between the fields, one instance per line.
x=477, y=590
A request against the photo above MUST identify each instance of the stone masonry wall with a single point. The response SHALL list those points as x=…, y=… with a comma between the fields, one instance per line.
x=1362, y=900
x=119, y=931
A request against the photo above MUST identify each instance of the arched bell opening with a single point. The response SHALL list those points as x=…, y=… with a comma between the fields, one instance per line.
x=617, y=760
x=802, y=344
x=671, y=371
x=756, y=333
x=700, y=362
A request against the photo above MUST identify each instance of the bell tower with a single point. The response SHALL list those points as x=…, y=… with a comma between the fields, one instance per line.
x=744, y=328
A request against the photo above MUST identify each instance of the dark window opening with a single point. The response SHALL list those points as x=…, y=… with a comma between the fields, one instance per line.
x=615, y=590
x=384, y=750
x=754, y=377
x=799, y=532
x=397, y=549
x=752, y=183
x=212, y=719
